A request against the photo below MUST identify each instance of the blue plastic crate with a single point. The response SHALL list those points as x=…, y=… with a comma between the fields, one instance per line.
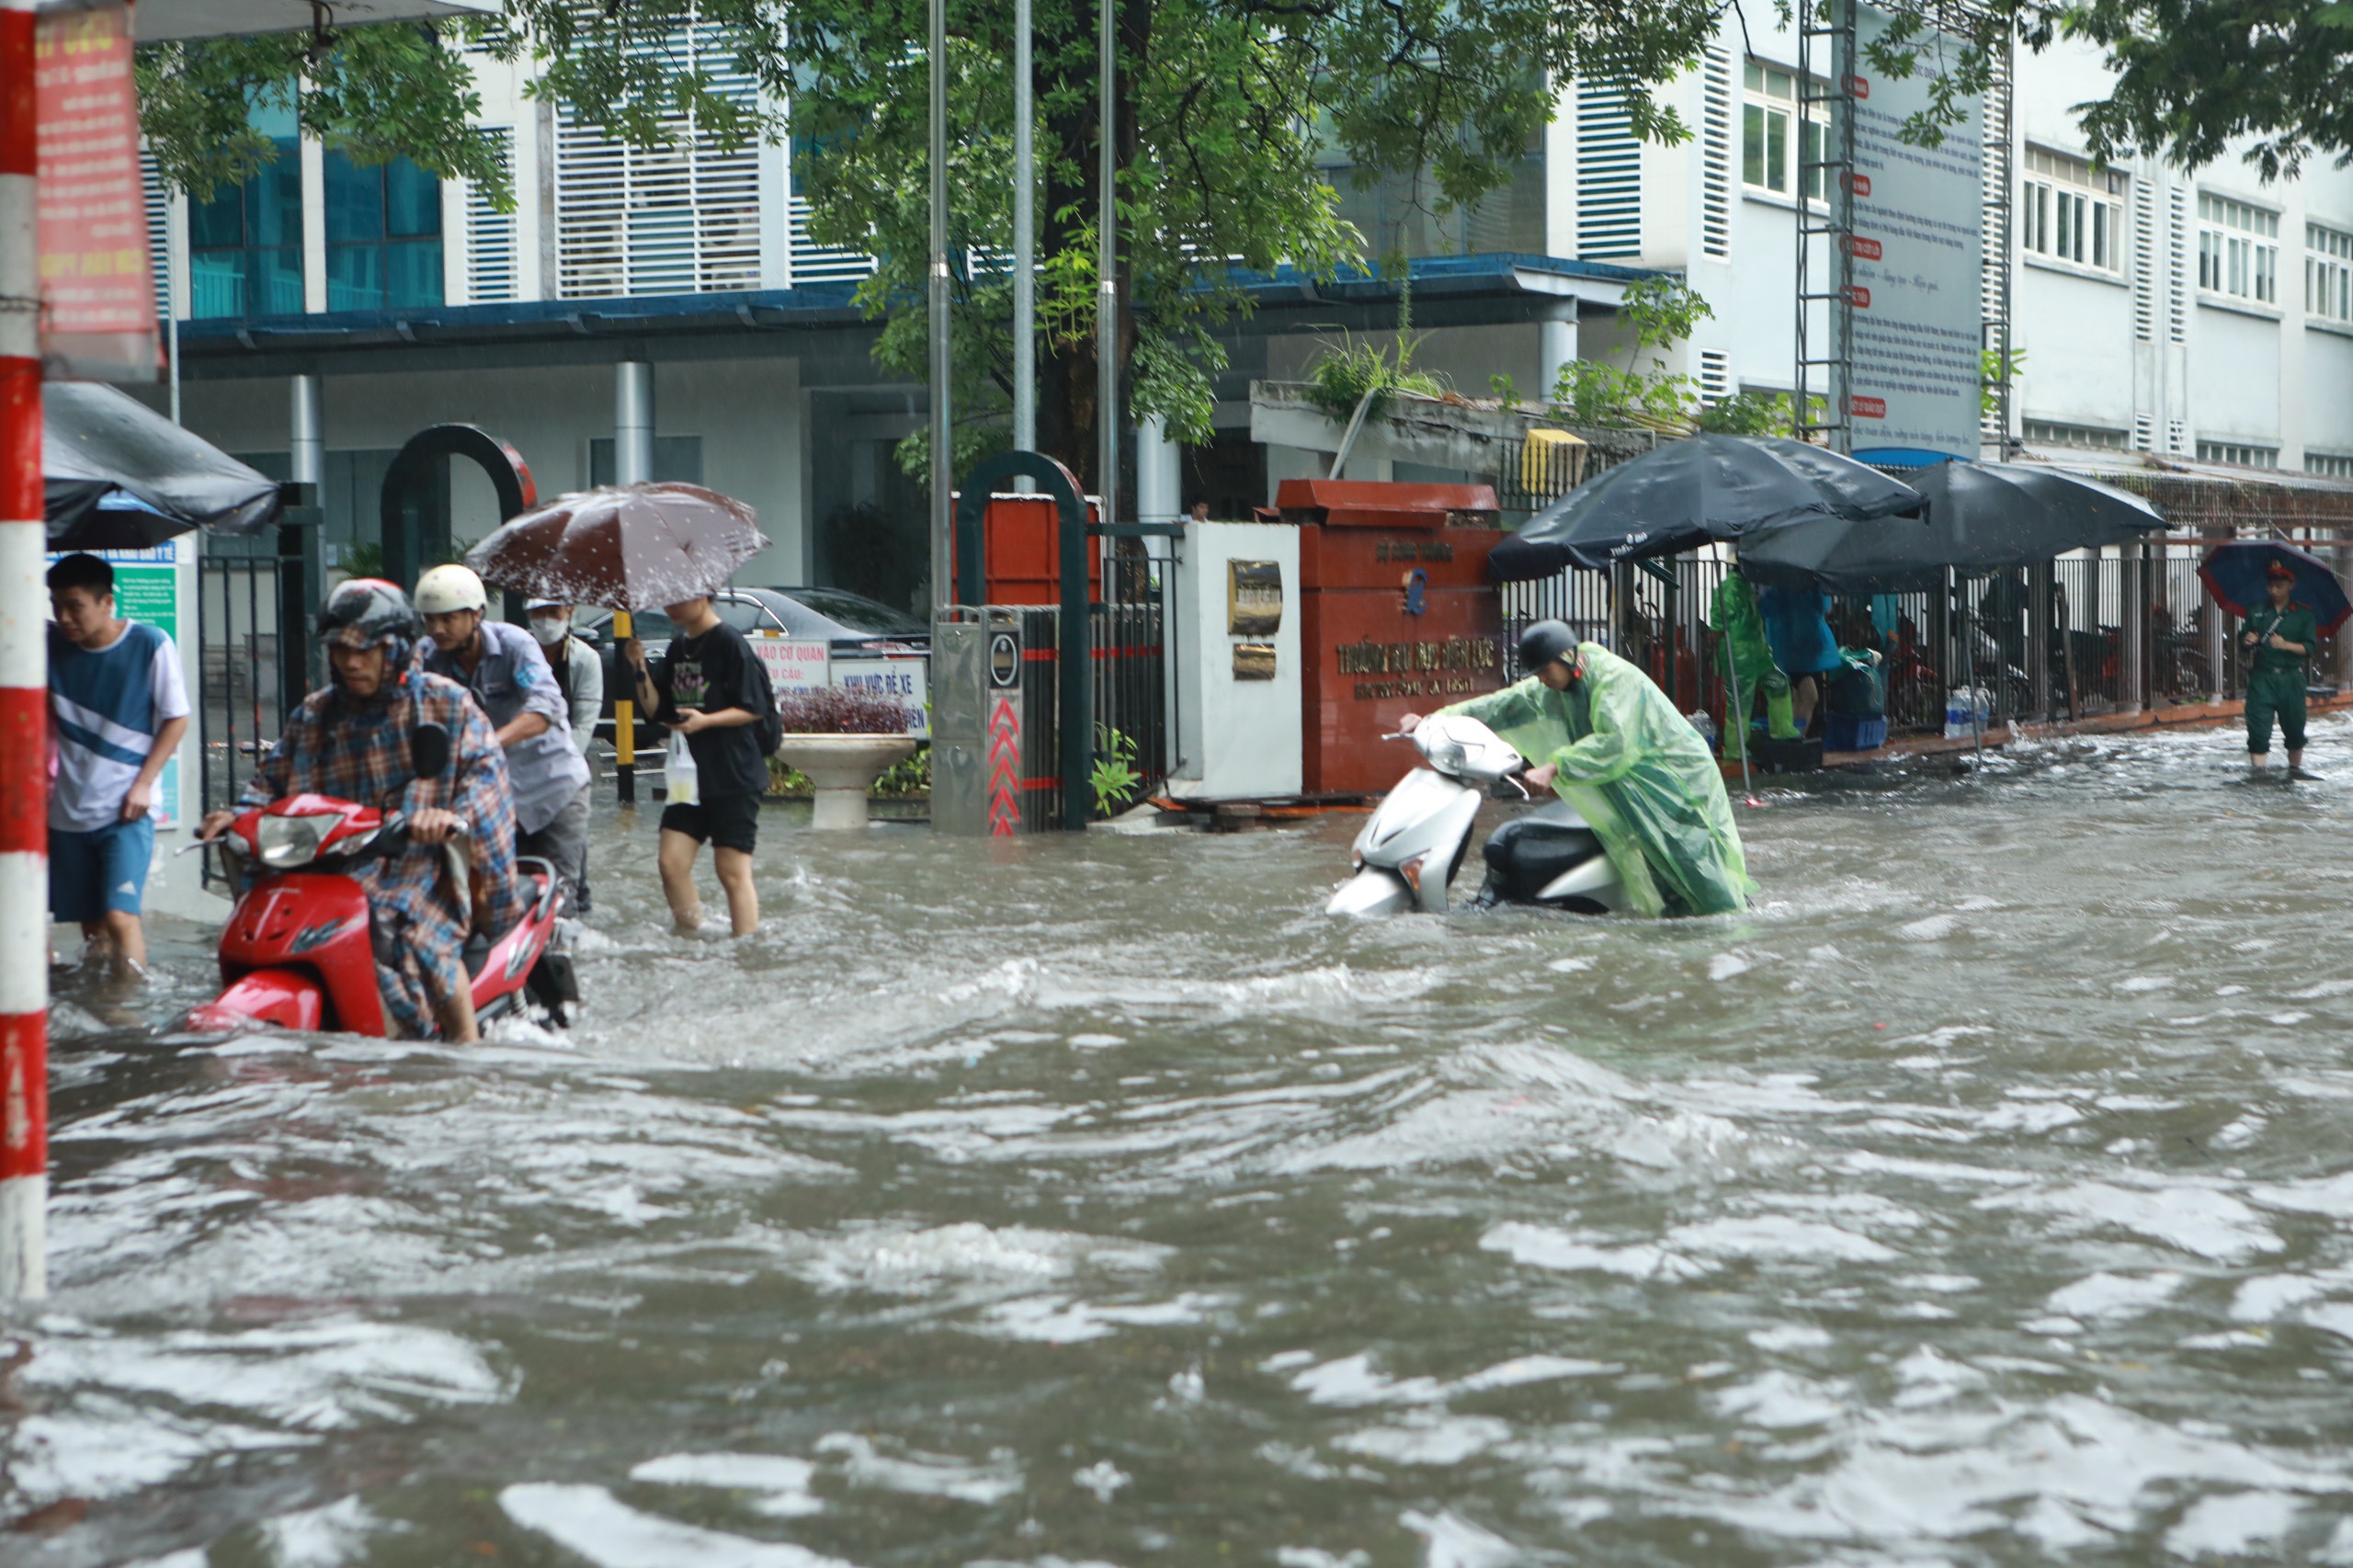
x=1852, y=731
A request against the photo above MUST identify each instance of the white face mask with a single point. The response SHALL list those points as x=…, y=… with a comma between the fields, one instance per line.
x=550, y=630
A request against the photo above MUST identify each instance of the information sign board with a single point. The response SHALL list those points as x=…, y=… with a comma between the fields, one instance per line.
x=1914, y=218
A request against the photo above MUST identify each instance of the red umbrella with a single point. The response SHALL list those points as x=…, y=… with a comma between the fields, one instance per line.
x=632, y=547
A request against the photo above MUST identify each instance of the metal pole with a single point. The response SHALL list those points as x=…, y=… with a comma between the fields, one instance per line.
x=23, y=683
x=173, y=250
x=943, y=457
x=1106, y=298
x=307, y=431
x=1025, y=241
x=632, y=465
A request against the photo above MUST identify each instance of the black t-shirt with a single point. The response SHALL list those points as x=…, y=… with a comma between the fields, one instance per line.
x=715, y=672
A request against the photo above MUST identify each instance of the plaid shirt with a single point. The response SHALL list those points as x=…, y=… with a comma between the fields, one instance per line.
x=357, y=750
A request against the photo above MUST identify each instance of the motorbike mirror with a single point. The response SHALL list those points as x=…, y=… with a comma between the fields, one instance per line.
x=428, y=750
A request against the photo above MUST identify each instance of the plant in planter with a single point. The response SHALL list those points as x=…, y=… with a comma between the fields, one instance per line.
x=843, y=741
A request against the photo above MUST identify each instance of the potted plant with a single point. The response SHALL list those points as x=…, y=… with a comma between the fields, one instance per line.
x=843, y=741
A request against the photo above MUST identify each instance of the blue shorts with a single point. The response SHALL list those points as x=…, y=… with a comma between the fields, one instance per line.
x=105, y=869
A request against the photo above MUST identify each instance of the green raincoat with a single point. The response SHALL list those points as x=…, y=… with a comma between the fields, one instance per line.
x=1639, y=773
x=1749, y=659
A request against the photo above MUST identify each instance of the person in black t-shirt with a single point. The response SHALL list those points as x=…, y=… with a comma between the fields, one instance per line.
x=709, y=688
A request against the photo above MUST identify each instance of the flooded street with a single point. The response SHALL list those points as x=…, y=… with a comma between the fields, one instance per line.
x=1979, y=1198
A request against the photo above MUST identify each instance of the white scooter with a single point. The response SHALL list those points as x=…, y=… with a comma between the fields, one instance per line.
x=1407, y=856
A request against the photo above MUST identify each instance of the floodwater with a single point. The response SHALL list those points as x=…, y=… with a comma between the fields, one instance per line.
x=1979, y=1198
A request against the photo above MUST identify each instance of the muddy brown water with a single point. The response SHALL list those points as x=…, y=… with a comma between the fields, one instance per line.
x=1981, y=1197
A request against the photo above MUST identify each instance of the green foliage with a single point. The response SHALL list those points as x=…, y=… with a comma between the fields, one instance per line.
x=1114, y=777
x=1592, y=391
x=1752, y=414
x=374, y=93
x=1662, y=312
x=363, y=557
x=1346, y=370
x=1991, y=374
x=1505, y=393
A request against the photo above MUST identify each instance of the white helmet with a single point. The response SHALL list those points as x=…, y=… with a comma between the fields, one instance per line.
x=447, y=589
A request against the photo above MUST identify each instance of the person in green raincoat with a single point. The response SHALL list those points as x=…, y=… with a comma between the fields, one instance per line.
x=1748, y=656
x=1612, y=745
x=2282, y=634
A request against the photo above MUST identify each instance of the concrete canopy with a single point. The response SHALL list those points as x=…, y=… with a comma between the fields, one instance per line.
x=159, y=21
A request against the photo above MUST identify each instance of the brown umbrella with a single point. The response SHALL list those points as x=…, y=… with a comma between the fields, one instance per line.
x=633, y=546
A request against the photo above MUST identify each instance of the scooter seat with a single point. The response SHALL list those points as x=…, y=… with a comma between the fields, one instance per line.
x=1528, y=854
x=477, y=953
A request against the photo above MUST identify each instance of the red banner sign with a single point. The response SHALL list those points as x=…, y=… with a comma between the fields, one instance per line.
x=1867, y=407
x=98, y=294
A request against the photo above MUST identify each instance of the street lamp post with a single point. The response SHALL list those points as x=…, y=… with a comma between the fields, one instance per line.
x=943, y=478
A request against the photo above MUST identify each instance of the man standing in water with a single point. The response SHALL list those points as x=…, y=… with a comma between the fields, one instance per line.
x=1612, y=745
x=2282, y=634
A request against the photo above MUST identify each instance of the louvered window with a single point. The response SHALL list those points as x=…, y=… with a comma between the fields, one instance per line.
x=159, y=232
x=678, y=219
x=1715, y=375
x=490, y=234
x=1715, y=156
x=1609, y=175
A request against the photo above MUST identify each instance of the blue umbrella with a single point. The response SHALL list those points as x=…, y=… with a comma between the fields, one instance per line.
x=2234, y=575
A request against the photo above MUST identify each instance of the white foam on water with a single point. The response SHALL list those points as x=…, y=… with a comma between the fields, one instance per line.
x=1432, y=1439
x=2234, y=1525
x=923, y=1474
x=594, y=1525
x=2111, y=1297
x=782, y=1482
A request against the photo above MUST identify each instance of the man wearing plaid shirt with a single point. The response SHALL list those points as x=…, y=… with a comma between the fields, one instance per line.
x=349, y=739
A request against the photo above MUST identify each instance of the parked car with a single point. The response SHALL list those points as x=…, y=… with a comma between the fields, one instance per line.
x=852, y=626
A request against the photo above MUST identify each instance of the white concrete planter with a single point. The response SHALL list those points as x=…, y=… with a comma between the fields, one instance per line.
x=841, y=769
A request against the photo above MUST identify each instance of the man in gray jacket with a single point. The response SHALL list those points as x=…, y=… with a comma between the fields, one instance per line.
x=503, y=667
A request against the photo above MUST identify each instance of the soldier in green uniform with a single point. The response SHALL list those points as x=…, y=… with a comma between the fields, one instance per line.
x=2282, y=635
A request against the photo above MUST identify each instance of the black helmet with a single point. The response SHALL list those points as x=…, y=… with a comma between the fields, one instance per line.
x=366, y=611
x=1543, y=641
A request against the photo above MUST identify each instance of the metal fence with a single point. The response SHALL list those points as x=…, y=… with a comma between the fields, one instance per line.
x=1130, y=700
x=2073, y=638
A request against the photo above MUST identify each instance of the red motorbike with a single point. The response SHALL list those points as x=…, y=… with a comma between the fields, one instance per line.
x=299, y=949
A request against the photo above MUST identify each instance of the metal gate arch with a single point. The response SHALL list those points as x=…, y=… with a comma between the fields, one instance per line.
x=425, y=453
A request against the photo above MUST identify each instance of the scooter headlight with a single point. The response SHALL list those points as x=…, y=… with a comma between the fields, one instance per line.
x=294, y=841
x=1448, y=758
x=1412, y=872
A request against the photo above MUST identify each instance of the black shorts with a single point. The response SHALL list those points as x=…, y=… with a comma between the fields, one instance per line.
x=732, y=822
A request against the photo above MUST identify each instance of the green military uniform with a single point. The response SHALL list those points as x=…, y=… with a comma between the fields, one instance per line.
x=1749, y=659
x=2275, y=686
x=1637, y=773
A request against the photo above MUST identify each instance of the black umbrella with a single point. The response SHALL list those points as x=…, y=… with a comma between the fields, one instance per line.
x=1983, y=518
x=1702, y=490
x=116, y=475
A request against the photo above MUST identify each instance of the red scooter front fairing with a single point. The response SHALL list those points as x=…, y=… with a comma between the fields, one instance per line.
x=298, y=950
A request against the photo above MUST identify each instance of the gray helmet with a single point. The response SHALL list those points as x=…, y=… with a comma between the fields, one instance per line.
x=1543, y=641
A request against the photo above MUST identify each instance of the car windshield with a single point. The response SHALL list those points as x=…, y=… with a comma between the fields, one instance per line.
x=857, y=612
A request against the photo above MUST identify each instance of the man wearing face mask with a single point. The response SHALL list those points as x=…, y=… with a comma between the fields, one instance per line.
x=509, y=677
x=580, y=677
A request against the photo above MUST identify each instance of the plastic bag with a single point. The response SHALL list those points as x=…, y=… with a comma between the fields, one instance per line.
x=1750, y=664
x=1969, y=709
x=681, y=780
x=1639, y=773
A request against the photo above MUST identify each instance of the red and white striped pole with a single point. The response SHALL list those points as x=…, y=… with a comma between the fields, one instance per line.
x=24, y=680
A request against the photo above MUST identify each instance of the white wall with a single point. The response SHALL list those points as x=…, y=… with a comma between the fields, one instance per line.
x=751, y=414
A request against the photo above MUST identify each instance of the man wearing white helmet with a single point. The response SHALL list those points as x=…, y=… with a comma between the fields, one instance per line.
x=503, y=667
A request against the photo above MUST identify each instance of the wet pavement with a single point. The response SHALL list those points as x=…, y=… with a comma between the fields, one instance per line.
x=1978, y=1198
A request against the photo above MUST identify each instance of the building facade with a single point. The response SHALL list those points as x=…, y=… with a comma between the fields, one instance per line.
x=326, y=313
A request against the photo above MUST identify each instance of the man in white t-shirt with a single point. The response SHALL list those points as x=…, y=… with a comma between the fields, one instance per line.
x=120, y=708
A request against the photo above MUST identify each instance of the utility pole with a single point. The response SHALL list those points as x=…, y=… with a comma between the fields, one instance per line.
x=943, y=478
x=24, y=691
x=1025, y=225
x=1107, y=300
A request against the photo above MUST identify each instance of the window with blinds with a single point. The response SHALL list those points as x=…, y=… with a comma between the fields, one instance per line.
x=683, y=218
x=1715, y=156
x=491, y=265
x=159, y=232
x=1609, y=175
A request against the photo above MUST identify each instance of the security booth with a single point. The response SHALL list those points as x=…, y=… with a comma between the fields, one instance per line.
x=1396, y=614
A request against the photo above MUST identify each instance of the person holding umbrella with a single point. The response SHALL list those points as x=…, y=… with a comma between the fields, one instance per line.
x=2282, y=634
x=710, y=687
